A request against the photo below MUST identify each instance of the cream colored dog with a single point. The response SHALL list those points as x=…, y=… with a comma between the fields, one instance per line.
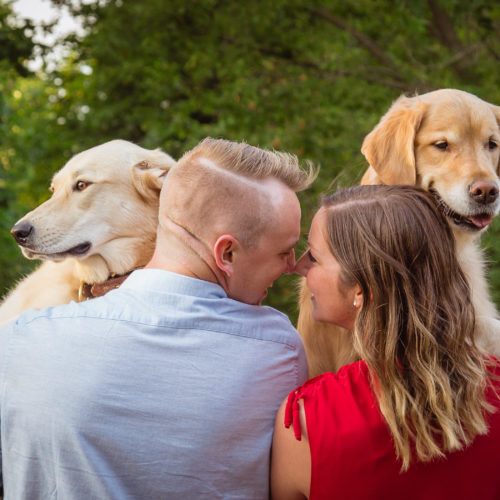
x=448, y=142
x=101, y=220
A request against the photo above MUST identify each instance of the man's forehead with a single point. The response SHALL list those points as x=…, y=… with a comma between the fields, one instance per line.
x=293, y=243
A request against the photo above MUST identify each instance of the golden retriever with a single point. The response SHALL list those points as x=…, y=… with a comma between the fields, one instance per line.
x=448, y=142
x=101, y=220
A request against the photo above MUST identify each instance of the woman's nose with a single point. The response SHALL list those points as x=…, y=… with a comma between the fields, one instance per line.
x=302, y=265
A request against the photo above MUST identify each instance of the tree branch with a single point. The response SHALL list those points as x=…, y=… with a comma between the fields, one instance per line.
x=371, y=74
x=362, y=39
x=441, y=27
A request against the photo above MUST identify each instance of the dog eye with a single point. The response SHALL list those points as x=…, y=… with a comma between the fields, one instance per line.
x=81, y=185
x=492, y=144
x=441, y=145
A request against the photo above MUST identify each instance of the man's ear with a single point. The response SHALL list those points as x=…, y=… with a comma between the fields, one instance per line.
x=224, y=249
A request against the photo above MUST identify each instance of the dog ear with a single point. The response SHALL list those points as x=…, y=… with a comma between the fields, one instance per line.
x=496, y=112
x=148, y=175
x=389, y=147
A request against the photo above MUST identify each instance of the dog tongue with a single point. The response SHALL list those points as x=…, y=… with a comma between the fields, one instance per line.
x=481, y=220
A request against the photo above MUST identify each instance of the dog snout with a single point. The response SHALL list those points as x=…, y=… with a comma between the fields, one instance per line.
x=22, y=231
x=484, y=192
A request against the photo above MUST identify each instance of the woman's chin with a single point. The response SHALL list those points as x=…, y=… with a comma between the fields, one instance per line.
x=317, y=317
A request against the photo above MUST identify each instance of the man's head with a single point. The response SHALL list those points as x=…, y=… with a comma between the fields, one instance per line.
x=234, y=209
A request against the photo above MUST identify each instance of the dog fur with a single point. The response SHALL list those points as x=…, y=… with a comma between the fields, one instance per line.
x=100, y=220
x=408, y=147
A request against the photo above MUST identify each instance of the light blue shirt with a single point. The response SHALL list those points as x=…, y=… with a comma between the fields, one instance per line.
x=164, y=388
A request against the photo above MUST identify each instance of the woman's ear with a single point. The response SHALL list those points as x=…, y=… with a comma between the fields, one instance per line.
x=223, y=250
x=358, y=297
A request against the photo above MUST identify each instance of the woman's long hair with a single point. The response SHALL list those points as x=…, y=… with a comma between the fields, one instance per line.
x=415, y=329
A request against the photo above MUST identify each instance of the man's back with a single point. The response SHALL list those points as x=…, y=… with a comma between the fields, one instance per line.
x=166, y=388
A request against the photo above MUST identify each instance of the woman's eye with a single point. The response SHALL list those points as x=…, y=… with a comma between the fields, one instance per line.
x=81, y=185
x=310, y=255
x=441, y=145
x=492, y=144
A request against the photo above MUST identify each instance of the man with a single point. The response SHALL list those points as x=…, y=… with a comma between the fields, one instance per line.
x=167, y=387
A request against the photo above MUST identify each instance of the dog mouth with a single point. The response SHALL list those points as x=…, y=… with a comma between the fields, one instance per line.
x=475, y=222
x=77, y=251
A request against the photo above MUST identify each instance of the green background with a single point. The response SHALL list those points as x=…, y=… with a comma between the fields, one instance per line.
x=306, y=77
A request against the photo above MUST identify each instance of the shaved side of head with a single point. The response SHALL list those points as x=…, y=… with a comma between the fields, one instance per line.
x=226, y=187
x=208, y=201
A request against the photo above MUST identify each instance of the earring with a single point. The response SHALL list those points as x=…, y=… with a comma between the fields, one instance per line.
x=355, y=304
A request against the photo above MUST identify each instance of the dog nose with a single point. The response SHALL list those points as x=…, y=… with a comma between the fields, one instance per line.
x=21, y=232
x=484, y=192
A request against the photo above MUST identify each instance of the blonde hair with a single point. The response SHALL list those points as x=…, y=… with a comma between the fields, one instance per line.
x=416, y=327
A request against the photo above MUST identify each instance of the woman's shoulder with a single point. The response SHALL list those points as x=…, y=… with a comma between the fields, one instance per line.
x=347, y=376
x=343, y=389
x=345, y=397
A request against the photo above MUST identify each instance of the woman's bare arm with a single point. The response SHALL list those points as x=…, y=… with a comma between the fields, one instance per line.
x=290, y=460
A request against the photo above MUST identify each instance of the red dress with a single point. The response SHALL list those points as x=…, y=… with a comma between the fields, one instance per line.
x=353, y=456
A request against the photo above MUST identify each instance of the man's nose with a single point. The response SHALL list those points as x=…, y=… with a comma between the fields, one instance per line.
x=290, y=262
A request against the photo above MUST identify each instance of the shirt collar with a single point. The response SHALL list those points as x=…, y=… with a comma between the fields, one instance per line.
x=159, y=280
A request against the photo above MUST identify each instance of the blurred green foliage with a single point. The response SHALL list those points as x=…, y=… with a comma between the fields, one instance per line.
x=306, y=77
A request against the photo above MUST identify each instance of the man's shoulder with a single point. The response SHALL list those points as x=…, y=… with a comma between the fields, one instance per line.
x=260, y=322
x=62, y=317
x=170, y=311
x=31, y=315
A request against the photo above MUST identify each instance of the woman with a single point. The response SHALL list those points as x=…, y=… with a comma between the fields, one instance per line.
x=416, y=417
